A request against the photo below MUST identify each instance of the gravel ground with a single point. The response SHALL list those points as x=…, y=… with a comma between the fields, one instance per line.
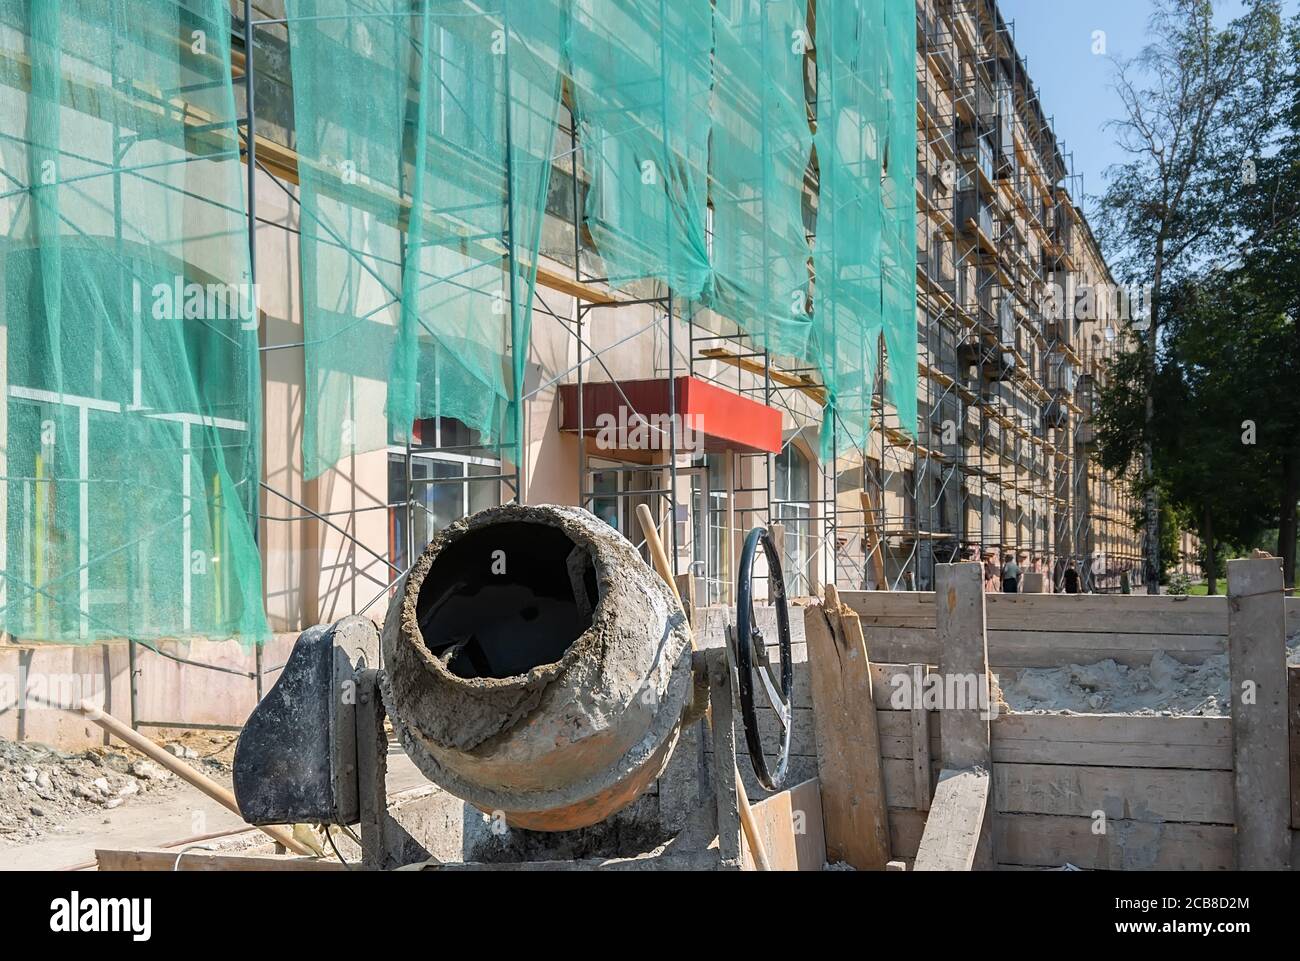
x=42, y=789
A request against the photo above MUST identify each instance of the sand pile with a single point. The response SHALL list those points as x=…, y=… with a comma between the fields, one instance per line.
x=1165, y=686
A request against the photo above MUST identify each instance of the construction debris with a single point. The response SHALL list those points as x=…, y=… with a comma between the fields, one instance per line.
x=42, y=789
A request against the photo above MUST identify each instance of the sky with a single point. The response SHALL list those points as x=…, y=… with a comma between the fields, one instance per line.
x=1056, y=38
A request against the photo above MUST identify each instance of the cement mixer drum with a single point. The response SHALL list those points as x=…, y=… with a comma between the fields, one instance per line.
x=536, y=667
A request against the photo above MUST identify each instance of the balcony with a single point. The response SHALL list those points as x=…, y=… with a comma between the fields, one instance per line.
x=985, y=357
x=971, y=209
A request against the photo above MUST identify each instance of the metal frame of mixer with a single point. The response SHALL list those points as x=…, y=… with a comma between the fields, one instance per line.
x=387, y=844
x=313, y=755
x=723, y=680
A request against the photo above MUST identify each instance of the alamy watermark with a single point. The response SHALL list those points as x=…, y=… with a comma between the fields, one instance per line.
x=629, y=430
x=936, y=691
x=38, y=690
x=182, y=300
x=1066, y=298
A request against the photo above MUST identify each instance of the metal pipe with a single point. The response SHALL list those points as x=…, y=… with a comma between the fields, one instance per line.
x=222, y=795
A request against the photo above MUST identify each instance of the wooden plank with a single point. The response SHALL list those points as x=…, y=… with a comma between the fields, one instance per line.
x=896, y=735
x=892, y=685
x=725, y=792
x=1041, y=840
x=1140, y=794
x=963, y=651
x=1257, y=665
x=809, y=828
x=775, y=823
x=790, y=824
x=1086, y=613
x=1293, y=722
x=1132, y=613
x=848, y=758
x=920, y=741
x=956, y=822
x=906, y=826
x=1019, y=649
x=1122, y=740
x=801, y=382
x=1013, y=650
x=163, y=859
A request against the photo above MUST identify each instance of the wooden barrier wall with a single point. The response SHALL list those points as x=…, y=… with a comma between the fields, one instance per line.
x=1104, y=792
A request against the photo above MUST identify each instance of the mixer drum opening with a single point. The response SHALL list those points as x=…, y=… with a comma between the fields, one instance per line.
x=504, y=599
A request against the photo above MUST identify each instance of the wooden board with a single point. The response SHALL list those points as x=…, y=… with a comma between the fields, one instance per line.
x=162, y=859
x=790, y=824
x=1293, y=723
x=1043, y=841
x=1139, y=794
x=906, y=825
x=1013, y=650
x=1257, y=664
x=920, y=742
x=1196, y=743
x=963, y=730
x=1054, y=613
x=848, y=758
x=956, y=822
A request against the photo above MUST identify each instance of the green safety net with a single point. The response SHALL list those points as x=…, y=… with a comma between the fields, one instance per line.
x=642, y=77
x=426, y=130
x=425, y=133
x=898, y=247
x=847, y=249
x=130, y=394
x=866, y=217
x=761, y=149
x=349, y=137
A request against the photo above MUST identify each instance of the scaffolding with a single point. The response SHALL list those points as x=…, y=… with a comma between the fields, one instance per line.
x=994, y=461
x=996, y=456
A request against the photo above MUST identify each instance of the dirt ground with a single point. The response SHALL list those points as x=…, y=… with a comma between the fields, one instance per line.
x=157, y=812
x=43, y=790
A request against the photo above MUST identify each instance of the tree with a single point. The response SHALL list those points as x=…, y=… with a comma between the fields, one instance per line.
x=1196, y=105
x=1214, y=476
x=1268, y=218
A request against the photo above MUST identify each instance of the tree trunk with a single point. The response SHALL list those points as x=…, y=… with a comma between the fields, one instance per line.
x=1211, y=556
x=1151, y=501
x=1286, y=530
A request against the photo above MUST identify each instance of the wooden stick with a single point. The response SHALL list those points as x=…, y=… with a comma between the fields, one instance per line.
x=660, y=558
x=222, y=795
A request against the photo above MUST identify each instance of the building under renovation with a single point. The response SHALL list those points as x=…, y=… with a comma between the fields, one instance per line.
x=289, y=286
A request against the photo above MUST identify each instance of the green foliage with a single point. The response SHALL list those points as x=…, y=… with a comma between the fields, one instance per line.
x=1221, y=375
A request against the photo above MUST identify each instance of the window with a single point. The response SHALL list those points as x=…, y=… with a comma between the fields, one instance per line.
x=442, y=489
x=793, y=510
x=710, y=541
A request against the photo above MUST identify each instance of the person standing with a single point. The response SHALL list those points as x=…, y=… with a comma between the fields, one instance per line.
x=1010, y=575
x=990, y=573
x=1071, y=579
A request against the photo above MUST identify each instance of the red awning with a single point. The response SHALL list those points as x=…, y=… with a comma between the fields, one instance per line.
x=709, y=418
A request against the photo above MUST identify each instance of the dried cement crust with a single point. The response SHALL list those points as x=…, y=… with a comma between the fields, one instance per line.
x=563, y=732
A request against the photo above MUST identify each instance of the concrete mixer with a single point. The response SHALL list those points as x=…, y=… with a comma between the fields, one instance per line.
x=531, y=664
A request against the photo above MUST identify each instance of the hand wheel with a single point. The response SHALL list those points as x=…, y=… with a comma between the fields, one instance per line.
x=751, y=655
